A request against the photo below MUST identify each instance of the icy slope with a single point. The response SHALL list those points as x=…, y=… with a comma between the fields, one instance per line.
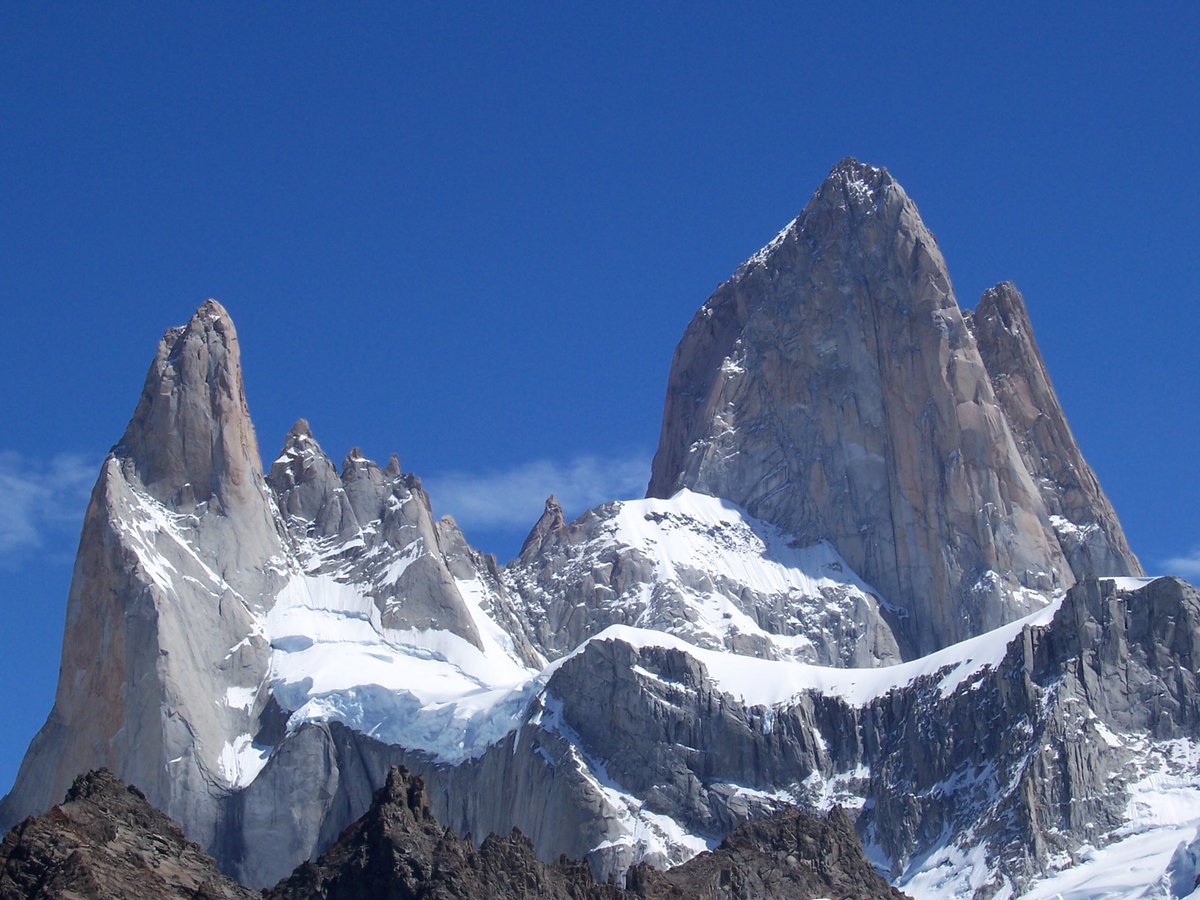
x=769, y=682
x=425, y=689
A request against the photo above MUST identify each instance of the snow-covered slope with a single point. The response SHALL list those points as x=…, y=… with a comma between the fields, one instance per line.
x=1068, y=738
x=426, y=689
x=704, y=570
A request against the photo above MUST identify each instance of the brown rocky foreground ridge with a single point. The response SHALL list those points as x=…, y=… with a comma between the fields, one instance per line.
x=105, y=840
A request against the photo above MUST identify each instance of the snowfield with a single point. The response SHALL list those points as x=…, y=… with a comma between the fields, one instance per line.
x=427, y=690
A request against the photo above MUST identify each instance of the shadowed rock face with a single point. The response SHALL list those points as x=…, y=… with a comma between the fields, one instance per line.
x=1084, y=520
x=832, y=388
x=105, y=840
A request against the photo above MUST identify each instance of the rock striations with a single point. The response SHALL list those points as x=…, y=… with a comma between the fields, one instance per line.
x=873, y=570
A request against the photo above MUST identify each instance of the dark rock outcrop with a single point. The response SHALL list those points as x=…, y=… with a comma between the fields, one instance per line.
x=105, y=840
x=788, y=855
x=398, y=850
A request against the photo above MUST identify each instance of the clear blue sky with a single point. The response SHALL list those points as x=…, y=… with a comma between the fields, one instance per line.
x=473, y=234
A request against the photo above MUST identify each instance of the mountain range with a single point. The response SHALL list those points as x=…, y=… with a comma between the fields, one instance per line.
x=872, y=569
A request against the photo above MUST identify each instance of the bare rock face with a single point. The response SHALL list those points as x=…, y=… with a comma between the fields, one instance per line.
x=164, y=661
x=551, y=523
x=191, y=446
x=1084, y=520
x=105, y=840
x=832, y=388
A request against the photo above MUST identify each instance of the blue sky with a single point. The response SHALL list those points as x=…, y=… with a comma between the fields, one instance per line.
x=472, y=234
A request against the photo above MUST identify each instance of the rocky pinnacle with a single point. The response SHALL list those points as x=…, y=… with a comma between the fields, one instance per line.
x=832, y=388
x=551, y=522
x=163, y=615
x=1083, y=518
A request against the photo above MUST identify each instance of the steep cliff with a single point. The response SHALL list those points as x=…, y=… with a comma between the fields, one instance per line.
x=1084, y=520
x=832, y=388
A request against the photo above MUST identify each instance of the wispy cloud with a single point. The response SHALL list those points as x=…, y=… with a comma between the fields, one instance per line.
x=1187, y=566
x=42, y=500
x=514, y=497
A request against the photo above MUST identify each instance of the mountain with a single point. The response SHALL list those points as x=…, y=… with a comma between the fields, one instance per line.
x=873, y=571
x=833, y=389
x=164, y=656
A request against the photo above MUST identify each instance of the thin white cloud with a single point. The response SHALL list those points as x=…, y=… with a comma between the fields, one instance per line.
x=514, y=497
x=1187, y=566
x=42, y=500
